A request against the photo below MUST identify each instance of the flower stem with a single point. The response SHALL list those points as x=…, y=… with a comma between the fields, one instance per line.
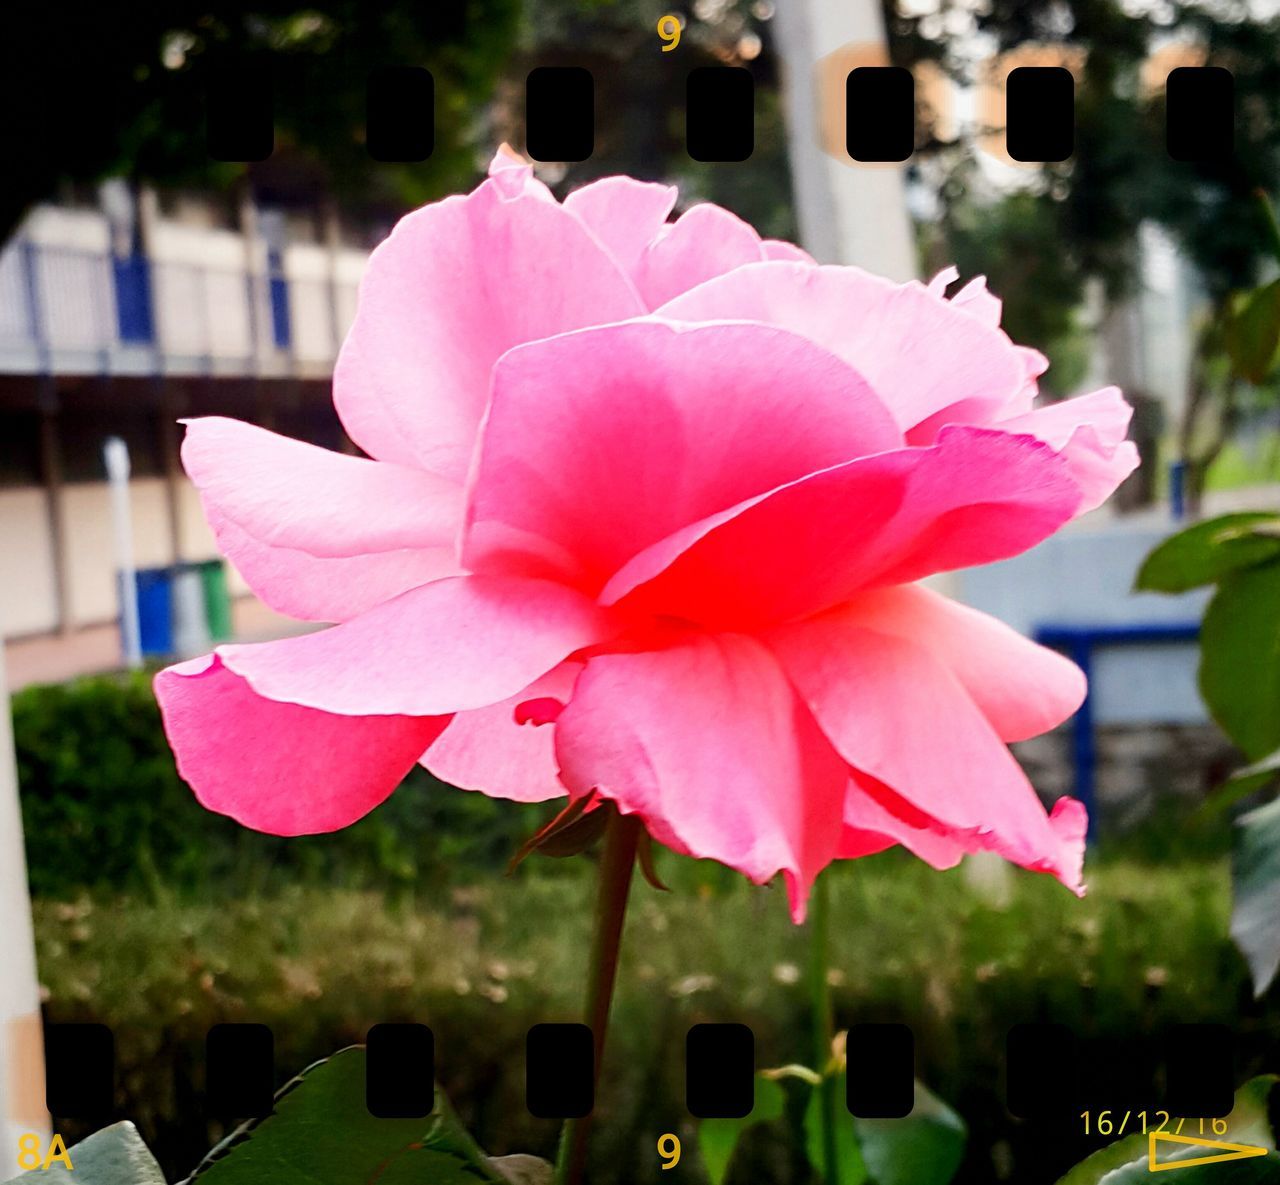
x=823, y=1026
x=622, y=834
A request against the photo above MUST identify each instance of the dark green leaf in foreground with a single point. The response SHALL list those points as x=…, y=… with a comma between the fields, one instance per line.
x=1257, y=1170
x=1126, y=1161
x=1255, y=875
x=1252, y=778
x=1240, y=658
x=322, y=1134
x=717, y=1138
x=115, y=1155
x=1206, y=552
x=927, y=1145
x=852, y=1168
x=1267, y=768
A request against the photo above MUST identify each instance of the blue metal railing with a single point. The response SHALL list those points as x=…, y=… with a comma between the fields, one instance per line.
x=70, y=299
x=278, y=291
x=1079, y=642
x=133, y=300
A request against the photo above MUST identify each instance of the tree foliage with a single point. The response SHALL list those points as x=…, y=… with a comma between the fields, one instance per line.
x=1079, y=220
x=118, y=89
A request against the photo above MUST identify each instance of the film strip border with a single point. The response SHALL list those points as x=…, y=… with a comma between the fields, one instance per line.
x=1050, y=1074
x=879, y=114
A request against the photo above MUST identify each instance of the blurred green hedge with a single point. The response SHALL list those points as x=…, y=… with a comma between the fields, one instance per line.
x=103, y=807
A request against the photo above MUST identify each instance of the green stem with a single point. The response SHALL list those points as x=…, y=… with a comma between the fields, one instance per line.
x=622, y=834
x=823, y=1025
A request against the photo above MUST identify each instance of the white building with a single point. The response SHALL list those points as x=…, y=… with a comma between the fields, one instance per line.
x=102, y=336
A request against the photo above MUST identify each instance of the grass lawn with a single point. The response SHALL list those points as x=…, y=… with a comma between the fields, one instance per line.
x=958, y=955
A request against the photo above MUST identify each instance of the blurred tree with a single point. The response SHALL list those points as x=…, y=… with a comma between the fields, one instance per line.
x=1086, y=212
x=640, y=94
x=118, y=89
x=1016, y=242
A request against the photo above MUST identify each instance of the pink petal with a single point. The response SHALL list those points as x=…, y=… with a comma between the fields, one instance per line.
x=1034, y=361
x=942, y=281
x=285, y=493
x=974, y=297
x=625, y=215
x=856, y=841
x=1023, y=689
x=277, y=767
x=456, y=644
x=974, y=497
x=707, y=743
x=978, y=302
x=514, y=176
x=919, y=353
x=894, y=712
x=311, y=588
x=490, y=750
x=457, y=284
x=781, y=249
x=869, y=827
x=601, y=442
x=705, y=241
x=1089, y=431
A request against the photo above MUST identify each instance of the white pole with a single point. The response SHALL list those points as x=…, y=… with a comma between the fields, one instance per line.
x=115, y=453
x=21, y=1037
x=848, y=212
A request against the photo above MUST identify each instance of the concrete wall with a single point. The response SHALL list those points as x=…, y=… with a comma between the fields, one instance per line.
x=1140, y=768
x=28, y=592
x=28, y=588
x=88, y=554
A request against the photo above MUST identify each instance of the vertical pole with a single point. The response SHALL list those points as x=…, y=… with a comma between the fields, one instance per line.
x=255, y=282
x=1178, y=489
x=170, y=434
x=21, y=1040
x=848, y=212
x=115, y=454
x=55, y=508
x=333, y=241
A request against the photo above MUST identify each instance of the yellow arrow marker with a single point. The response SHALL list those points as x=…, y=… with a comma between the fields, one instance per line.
x=1231, y=1152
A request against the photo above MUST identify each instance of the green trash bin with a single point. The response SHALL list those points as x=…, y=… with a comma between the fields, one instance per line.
x=217, y=601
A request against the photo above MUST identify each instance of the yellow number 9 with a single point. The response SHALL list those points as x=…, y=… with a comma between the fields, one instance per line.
x=669, y=31
x=669, y=1144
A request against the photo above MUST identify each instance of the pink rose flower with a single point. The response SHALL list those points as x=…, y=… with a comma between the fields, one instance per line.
x=646, y=513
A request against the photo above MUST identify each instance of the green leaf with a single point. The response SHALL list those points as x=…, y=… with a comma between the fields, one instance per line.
x=1242, y=783
x=322, y=1133
x=1240, y=658
x=853, y=1170
x=1253, y=332
x=644, y=853
x=1255, y=875
x=1126, y=1161
x=1206, y=552
x=1257, y=1170
x=573, y=830
x=927, y=1145
x=717, y=1138
x=1269, y=766
x=115, y=1155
